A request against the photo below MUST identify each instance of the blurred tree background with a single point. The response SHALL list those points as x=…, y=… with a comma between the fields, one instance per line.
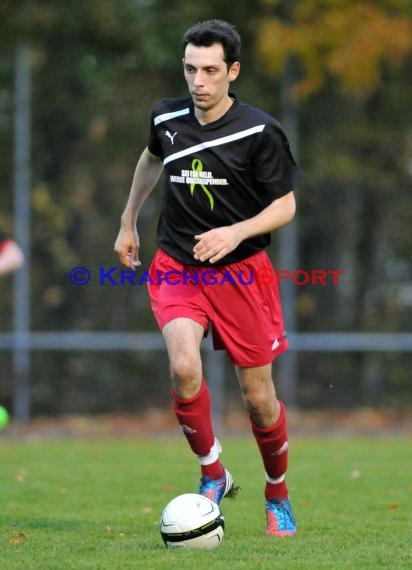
x=97, y=68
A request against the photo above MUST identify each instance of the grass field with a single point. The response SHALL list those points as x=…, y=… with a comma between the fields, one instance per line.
x=96, y=505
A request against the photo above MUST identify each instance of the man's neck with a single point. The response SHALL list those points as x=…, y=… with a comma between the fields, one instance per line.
x=212, y=115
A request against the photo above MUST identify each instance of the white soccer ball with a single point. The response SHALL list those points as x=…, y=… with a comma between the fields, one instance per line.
x=192, y=521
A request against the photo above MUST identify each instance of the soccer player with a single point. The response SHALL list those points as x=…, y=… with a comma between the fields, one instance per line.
x=11, y=256
x=229, y=181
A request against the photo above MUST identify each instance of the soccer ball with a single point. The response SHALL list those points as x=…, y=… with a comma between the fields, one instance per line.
x=192, y=521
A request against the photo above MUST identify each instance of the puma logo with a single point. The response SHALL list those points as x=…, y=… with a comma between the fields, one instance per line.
x=171, y=137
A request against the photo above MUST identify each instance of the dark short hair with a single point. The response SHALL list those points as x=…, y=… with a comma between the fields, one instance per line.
x=215, y=31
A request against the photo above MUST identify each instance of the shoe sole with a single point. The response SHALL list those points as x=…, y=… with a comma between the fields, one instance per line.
x=282, y=533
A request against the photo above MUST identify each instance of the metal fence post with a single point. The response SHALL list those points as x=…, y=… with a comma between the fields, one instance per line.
x=215, y=374
x=21, y=315
x=288, y=246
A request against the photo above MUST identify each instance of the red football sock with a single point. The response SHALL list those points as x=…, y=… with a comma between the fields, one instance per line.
x=194, y=417
x=273, y=445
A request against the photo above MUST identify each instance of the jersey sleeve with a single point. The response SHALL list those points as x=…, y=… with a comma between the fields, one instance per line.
x=154, y=145
x=275, y=170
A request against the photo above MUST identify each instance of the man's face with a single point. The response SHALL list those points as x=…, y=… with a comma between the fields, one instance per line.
x=207, y=75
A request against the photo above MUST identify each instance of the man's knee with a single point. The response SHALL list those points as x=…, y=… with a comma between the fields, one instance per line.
x=186, y=373
x=257, y=402
x=259, y=395
x=184, y=367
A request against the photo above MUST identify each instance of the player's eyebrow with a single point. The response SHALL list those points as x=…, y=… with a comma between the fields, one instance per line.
x=208, y=66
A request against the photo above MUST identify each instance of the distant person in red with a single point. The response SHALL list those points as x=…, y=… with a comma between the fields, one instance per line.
x=11, y=256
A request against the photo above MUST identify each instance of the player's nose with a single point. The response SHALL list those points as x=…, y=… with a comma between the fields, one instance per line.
x=198, y=79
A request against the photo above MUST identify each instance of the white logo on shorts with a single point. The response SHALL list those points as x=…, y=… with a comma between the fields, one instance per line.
x=275, y=344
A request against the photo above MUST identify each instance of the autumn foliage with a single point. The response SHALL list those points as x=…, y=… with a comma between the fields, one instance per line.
x=351, y=40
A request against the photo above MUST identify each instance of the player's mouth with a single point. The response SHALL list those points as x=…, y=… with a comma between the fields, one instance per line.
x=200, y=96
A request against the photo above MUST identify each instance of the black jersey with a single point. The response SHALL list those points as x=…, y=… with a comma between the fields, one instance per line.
x=217, y=174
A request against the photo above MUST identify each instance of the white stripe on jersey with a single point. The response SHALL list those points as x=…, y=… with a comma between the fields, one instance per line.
x=166, y=116
x=216, y=142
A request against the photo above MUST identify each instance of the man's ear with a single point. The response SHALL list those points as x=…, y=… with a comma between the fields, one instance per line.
x=234, y=70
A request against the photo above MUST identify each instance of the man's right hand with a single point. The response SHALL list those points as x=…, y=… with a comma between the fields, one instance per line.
x=127, y=247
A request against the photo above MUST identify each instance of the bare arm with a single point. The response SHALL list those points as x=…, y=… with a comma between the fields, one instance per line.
x=216, y=243
x=11, y=258
x=146, y=175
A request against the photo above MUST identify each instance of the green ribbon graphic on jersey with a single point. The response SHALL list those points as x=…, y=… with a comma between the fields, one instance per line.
x=197, y=167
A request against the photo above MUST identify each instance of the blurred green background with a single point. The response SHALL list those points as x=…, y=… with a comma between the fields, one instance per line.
x=97, y=67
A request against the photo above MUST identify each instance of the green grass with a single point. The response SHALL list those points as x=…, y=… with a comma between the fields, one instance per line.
x=96, y=505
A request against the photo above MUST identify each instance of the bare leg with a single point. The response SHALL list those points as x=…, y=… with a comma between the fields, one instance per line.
x=191, y=396
x=268, y=420
x=183, y=338
x=259, y=394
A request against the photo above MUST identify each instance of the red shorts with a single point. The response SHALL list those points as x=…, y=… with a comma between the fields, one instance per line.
x=242, y=308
